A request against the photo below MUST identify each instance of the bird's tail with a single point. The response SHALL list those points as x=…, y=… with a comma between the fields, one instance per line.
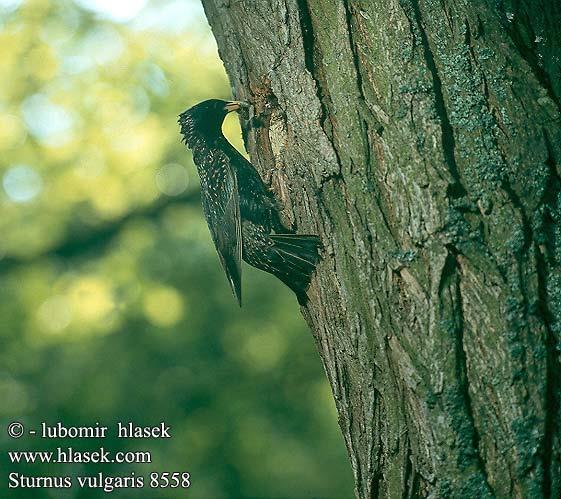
x=296, y=257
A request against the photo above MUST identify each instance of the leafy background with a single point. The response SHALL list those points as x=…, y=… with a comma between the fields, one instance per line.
x=113, y=305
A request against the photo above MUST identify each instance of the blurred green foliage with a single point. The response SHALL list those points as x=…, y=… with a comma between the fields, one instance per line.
x=113, y=303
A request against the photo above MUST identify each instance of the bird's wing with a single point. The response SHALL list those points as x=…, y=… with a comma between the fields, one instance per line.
x=221, y=207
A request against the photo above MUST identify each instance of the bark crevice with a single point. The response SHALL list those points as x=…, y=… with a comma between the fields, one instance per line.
x=552, y=381
x=356, y=59
x=528, y=53
x=551, y=484
x=455, y=190
x=311, y=53
x=462, y=371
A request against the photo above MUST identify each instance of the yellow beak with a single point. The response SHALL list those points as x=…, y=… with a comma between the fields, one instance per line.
x=234, y=105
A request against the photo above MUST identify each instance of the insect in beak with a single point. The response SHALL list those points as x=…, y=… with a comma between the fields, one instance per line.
x=235, y=105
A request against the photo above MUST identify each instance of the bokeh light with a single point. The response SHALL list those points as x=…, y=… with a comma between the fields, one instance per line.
x=172, y=179
x=47, y=121
x=9, y=5
x=118, y=11
x=22, y=183
x=55, y=313
x=163, y=306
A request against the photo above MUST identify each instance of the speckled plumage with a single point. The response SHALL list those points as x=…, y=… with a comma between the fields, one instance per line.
x=240, y=210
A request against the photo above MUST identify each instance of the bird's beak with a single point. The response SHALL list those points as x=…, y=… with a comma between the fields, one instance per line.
x=234, y=105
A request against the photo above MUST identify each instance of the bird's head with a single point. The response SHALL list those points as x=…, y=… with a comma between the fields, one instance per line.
x=205, y=119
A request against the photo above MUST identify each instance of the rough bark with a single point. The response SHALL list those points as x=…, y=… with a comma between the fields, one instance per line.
x=422, y=140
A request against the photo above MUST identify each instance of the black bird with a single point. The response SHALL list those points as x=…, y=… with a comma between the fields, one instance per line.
x=240, y=210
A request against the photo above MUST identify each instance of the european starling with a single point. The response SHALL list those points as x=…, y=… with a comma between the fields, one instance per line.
x=240, y=210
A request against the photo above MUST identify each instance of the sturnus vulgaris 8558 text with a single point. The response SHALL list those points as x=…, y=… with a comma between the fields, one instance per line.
x=241, y=212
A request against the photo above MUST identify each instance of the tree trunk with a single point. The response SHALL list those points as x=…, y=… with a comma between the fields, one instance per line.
x=421, y=139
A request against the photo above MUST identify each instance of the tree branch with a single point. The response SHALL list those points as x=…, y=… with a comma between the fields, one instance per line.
x=76, y=245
